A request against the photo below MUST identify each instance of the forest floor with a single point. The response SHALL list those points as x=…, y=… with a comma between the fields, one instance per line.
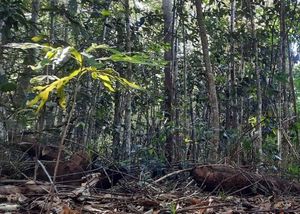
x=166, y=194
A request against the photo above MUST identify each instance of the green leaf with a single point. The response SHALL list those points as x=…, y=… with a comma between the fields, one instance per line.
x=105, y=13
x=108, y=86
x=34, y=101
x=40, y=65
x=62, y=101
x=38, y=38
x=95, y=47
x=131, y=84
x=252, y=121
x=77, y=56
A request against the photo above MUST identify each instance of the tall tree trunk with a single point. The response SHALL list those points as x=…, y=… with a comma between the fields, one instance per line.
x=282, y=69
x=210, y=78
x=52, y=20
x=3, y=131
x=167, y=7
x=185, y=94
x=292, y=88
x=233, y=99
x=127, y=117
x=258, y=146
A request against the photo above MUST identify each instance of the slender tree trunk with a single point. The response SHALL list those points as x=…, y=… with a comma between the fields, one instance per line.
x=185, y=95
x=117, y=122
x=292, y=88
x=210, y=78
x=52, y=21
x=3, y=131
x=167, y=7
x=232, y=68
x=282, y=67
x=258, y=146
x=128, y=110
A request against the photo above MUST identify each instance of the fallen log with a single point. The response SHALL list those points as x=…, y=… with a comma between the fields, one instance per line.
x=238, y=181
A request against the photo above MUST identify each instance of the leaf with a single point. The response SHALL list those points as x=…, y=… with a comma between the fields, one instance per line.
x=61, y=55
x=38, y=38
x=25, y=46
x=33, y=101
x=104, y=79
x=62, y=101
x=131, y=84
x=59, y=85
x=42, y=79
x=95, y=47
x=105, y=12
x=94, y=75
x=109, y=86
x=106, y=82
x=40, y=65
x=252, y=121
x=77, y=56
x=50, y=54
x=39, y=88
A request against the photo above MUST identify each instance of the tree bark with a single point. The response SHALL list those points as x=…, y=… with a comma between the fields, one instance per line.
x=167, y=7
x=128, y=110
x=259, y=139
x=234, y=120
x=210, y=78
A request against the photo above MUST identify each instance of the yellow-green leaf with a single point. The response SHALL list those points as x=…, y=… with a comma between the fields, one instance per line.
x=50, y=54
x=94, y=75
x=77, y=55
x=108, y=86
x=62, y=101
x=131, y=84
x=104, y=78
x=33, y=101
x=38, y=38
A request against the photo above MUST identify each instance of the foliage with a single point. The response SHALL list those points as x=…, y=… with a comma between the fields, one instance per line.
x=57, y=56
x=89, y=44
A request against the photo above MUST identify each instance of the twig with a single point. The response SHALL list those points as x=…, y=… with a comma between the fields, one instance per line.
x=172, y=173
x=47, y=174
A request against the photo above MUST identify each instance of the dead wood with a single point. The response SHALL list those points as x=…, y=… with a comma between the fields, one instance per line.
x=238, y=181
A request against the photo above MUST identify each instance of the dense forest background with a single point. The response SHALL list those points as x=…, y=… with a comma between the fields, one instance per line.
x=150, y=82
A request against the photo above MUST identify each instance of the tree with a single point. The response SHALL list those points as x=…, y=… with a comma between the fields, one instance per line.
x=167, y=6
x=211, y=86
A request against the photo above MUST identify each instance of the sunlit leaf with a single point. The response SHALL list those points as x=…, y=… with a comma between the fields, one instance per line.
x=108, y=86
x=40, y=65
x=104, y=77
x=62, y=101
x=77, y=55
x=95, y=47
x=94, y=75
x=105, y=12
x=39, y=88
x=131, y=84
x=33, y=101
x=38, y=38
x=252, y=121
x=24, y=46
x=50, y=54
x=43, y=79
